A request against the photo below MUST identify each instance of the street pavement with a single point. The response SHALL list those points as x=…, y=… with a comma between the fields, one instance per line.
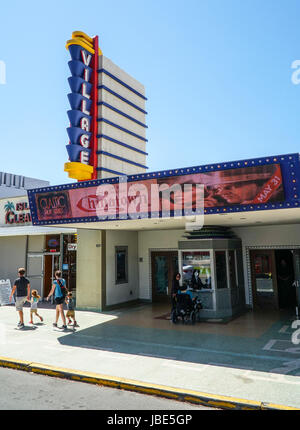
x=127, y=349
x=47, y=393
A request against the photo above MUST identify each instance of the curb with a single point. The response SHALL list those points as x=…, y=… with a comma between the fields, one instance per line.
x=190, y=396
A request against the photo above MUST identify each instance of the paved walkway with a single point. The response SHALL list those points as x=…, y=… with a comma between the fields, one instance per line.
x=246, y=362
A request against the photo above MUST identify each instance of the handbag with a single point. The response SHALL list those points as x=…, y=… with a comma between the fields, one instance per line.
x=62, y=288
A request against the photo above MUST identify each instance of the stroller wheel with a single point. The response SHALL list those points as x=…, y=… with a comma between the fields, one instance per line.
x=174, y=317
x=193, y=317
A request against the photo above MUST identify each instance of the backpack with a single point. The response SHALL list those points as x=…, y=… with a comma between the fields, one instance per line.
x=62, y=288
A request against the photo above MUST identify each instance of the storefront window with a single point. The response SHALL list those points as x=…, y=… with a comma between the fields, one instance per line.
x=221, y=270
x=196, y=269
x=263, y=274
x=121, y=264
x=232, y=269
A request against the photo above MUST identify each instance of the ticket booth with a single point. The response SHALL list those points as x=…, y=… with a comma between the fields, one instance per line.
x=213, y=268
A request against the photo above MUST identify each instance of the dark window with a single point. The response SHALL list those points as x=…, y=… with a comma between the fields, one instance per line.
x=232, y=269
x=221, y=269
x=121, y=264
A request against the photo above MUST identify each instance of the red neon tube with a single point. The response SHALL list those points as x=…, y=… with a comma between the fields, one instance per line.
x=95, y=107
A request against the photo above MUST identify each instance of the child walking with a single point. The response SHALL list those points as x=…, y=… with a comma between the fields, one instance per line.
x=71, y=312
x=34, y=302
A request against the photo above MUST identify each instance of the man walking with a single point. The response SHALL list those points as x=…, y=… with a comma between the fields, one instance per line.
x=22, y=289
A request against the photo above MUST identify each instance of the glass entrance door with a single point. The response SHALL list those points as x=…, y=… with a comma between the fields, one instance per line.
x=35, y=265
x=264, y=279
x=51, y=264
x=164, y=267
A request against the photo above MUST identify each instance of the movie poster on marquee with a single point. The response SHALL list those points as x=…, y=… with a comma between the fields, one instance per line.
x=233, y=187
x=242, y=186
x=53, y=205
x=112, y=199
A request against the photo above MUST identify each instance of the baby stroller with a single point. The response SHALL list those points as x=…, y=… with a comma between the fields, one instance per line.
x=186, y=308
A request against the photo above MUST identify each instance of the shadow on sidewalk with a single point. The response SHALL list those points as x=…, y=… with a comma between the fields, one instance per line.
x=195, y=346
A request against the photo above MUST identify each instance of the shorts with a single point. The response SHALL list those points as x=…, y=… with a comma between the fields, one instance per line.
x=33, y=311
x=70, y=314
x=59, y=300
x=20, y=301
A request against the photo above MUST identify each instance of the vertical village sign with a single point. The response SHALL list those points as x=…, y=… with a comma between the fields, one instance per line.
x=83, y=99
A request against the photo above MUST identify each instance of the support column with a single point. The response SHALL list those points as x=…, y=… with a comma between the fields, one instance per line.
x=91, y=270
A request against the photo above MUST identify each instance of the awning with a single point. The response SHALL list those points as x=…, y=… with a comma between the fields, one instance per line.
x=32, y=230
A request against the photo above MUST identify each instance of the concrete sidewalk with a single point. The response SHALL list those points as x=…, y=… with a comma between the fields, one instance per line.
x=222, y=365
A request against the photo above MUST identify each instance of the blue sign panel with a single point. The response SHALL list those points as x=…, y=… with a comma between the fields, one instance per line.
x=79, y=131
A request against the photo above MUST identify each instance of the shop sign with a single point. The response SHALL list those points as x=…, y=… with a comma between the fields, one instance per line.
x=83, y=99
x=53, y=205
x=53, y=243
x=72, y=247
x=16, y=213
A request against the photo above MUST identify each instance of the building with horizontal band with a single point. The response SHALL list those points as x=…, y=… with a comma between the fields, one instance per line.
x=246, y=254
x=231, y=228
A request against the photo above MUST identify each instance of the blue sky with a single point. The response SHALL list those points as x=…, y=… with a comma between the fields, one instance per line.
x=217, y=75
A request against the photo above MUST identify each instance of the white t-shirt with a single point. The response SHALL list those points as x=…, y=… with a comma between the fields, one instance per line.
x=34, y=302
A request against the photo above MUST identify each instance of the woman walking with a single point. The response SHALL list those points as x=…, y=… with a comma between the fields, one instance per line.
x=60, y=291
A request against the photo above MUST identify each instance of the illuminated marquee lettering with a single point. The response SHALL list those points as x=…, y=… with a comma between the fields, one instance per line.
x=86, y=58
x=83, y=91
x=84, y=140
x=85, y=124
x=84, y=157
x=52, y=202
x=86, y=75
x=84, y=108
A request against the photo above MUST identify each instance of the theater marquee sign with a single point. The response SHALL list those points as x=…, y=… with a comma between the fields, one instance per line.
x=246, y=185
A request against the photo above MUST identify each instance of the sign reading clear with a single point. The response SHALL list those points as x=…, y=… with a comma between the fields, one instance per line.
x=16, y=213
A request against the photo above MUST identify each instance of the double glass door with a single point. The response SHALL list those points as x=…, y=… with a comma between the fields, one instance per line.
x=273, y=278
x=264, y=282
